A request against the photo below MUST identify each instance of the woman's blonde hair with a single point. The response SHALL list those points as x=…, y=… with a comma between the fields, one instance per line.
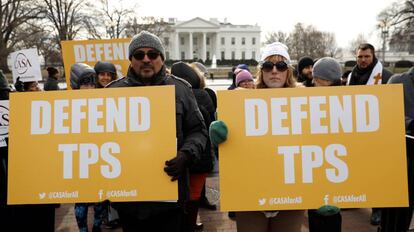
x=290, y=80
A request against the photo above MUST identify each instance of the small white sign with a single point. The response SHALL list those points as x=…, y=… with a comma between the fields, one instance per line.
x=26, y=65
x=4, y=122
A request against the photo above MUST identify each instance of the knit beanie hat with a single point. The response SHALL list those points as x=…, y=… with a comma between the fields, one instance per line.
x=145, y=39
x=275, y=48
x=327, y=68
x=186, y=72
x=104, y=66
x=243, y=75
x=328, y=210
x=51, y=71
x=218, y=132
x=303, y=63
x=243, y=66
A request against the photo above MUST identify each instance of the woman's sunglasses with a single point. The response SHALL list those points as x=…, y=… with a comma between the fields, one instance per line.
x=280, y=66
x=152, y=55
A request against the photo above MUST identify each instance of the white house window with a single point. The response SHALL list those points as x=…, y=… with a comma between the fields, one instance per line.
x=183, y=55
x=243, y=41
x=223, y=57
x=182, y=40
x=253, y=41
x=195, y=41
x=253, y=55
x=223, y=41
x=208, y=40
x=243, y=55
x=233, y=40
x=166, y=41
x=233, y=55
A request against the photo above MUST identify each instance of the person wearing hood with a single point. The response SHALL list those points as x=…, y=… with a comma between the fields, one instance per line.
x=305, y=67
x=200, y=168
x=105, y=72
x=82, y=76
x=147, y=55
x=52, y=79
x=369, y=71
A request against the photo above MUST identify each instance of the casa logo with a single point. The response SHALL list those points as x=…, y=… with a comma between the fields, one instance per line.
x=22, y=63
x=4, y=120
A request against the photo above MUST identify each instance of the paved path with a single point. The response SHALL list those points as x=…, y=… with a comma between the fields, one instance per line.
x=354, y=220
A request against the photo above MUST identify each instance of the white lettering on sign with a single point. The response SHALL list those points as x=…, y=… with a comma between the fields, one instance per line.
x=68, y=115
x=89, y=155
x=313, y=157
x=332, y=114
x=100, y=51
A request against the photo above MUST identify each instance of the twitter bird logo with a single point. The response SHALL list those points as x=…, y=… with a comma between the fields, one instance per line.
x=262, y=201
x=42, y=195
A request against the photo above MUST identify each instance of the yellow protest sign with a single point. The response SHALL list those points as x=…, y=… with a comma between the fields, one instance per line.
x=92, y=51
x=307, y=147
x=91, y=145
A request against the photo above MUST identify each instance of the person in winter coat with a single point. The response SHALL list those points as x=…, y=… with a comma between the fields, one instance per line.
x=200, y=169
x=52, y=79
x=147, y=68
x=40, y=217
x=326, y=72
x=399, y=219
x=369, y=71
x=82, y=76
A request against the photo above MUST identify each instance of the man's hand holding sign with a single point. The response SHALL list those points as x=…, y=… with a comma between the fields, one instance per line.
x=303, y=148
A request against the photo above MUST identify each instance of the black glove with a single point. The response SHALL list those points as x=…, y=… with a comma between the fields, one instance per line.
x=177, y=165
x=411, y=126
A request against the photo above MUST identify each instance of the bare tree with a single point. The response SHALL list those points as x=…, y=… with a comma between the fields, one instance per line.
x=400, y=19
x=353, y=45
x=65, y=16
x=151, y=24
x=14, y=15
x=279, y=36
x=309, y=41
x=109, y=20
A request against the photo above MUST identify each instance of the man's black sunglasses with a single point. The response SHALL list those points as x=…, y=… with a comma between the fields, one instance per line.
x=267, y=66
x=152, y=55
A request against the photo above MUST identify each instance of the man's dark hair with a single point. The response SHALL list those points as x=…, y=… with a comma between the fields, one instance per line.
x=365, y=46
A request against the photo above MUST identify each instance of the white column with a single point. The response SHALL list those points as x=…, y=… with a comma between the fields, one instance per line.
x=190, y=56
x=177, y=47
x=203, y=48
x=217, y=48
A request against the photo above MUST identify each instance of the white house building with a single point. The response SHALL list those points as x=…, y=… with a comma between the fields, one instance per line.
x=201, y=39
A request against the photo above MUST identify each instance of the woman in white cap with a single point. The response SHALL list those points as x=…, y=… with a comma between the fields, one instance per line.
x=274, y=72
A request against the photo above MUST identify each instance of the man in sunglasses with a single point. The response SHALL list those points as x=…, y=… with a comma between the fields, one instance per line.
x=147, y=68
